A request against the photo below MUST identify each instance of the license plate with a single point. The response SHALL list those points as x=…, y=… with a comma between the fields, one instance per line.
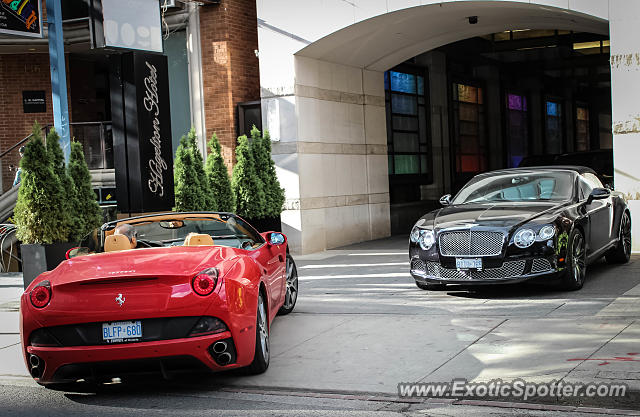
x=469, y=263
x=122, y=331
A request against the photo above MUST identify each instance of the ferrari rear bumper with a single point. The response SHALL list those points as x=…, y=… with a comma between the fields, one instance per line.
x=67, y=364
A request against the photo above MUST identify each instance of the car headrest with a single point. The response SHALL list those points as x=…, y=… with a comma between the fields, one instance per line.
x=115, y=243
x=195, y=239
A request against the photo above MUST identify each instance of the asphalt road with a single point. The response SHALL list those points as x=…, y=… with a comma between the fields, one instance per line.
x=361, y=327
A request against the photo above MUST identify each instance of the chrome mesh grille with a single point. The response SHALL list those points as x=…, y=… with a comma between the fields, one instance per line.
x=509, y=269
x=418, y=265
x=540, y=265
x=471, y=243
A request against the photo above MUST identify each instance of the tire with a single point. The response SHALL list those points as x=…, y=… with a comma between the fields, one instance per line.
x=291, y=295
x=577, y=262
x=430, y=287
x=621, y=253
x=261, y=356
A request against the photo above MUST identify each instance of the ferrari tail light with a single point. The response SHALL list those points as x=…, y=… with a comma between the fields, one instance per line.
x=41, y=294
x=205, y=282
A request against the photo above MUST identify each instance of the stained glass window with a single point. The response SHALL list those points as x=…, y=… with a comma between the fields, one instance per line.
x=517, y=129
x=554, y=137
x=407, y=134
x=469, y=129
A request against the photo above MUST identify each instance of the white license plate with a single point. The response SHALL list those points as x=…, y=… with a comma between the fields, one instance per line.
x=469, y=263
x=122, y=331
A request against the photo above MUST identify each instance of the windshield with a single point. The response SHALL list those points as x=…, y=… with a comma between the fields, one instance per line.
x=518, y=186
x=224, y=230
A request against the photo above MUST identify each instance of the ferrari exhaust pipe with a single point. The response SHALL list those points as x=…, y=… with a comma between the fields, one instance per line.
x=34, y=361
x=220, y=347
x=224, y=358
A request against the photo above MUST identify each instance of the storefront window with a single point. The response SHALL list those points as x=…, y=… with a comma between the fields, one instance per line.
x=554, y=139
x=517, y=129
x=469, y=129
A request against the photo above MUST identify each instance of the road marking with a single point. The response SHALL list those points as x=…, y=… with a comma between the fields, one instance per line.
x=354, y=265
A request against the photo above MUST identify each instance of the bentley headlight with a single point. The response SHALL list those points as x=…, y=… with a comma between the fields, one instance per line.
x=546, y=232
x=427, y=239
x=415, y=234
x=524, y=238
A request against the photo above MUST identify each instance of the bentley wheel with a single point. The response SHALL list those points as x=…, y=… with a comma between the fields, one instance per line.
x=261, y=356
x=291, y=295
x=430, y=287
x=622, y=251
x=577, y=261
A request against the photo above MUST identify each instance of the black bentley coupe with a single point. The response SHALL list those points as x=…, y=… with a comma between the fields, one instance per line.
x=514, y=225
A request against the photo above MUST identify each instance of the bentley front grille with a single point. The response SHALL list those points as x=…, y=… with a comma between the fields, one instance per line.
x=511, y=269
x=471, y=243
x=540, y=265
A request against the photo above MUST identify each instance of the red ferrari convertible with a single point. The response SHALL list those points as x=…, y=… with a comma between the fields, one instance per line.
x=161, y=293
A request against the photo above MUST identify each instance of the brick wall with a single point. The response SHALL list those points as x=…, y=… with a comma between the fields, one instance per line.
x=18, y=73
x=229, y=37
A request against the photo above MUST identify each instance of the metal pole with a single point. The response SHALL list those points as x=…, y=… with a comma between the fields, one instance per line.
x=58, y=75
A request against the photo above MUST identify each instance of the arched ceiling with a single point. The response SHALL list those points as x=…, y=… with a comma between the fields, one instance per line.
x=384, y=41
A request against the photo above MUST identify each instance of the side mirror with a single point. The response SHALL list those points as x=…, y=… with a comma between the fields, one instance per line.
x=445, y=200
x=276, y=238
x=78, y=251
x=598, y=194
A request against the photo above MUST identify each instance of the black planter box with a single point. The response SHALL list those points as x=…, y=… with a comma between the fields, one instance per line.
x=37, y=259
x=268, y=224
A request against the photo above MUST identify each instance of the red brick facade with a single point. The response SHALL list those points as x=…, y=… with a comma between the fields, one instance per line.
x=230, y=72
x=20, y=73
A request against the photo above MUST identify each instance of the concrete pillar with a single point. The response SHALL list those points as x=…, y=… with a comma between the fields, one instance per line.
x=625, y=93
x=332, y=154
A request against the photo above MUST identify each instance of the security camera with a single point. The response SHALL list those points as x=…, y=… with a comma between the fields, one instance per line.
x=473, y=20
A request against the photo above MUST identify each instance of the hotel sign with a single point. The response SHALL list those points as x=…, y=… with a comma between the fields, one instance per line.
x=142, y=135
x=21, y=17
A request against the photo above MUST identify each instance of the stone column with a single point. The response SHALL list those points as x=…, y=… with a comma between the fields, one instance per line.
x=624, y=31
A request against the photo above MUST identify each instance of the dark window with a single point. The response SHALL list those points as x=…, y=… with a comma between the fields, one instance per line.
x=407, y=128
x=469, y=129
x=517, y=129
x=554, y=138
x=582, y=128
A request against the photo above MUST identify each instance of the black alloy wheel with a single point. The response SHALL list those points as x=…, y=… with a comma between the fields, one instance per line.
x=621, y=253
x=261, y=356
x=291, y=295
x=576, y=261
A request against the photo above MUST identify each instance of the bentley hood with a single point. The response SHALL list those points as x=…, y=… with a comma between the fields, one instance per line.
x=501, y=215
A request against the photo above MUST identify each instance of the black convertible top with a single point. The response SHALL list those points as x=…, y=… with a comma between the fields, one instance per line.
x=574, y=168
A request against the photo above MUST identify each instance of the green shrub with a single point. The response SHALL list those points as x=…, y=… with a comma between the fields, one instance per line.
x=218, y=176
x=266, y=170
x=207, y=197
x=245, y=183
x=40, y=210
x=87, y=209
x=187, y=186
x=71, y=202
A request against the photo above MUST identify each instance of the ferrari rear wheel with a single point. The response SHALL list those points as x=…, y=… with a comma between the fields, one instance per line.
x=577, y=261
x=261, y=356
x=622, y=251
x=291, y=295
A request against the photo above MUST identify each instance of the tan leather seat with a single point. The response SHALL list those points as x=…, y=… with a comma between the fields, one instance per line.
x=114, y=243
x=195, y=239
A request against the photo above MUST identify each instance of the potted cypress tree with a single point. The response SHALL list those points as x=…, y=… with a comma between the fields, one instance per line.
x=218, y=176
x=188, y=190
x=43, y=224
x=246, y=185
x=208, y=199
x=266, y=172
x=87, y=209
